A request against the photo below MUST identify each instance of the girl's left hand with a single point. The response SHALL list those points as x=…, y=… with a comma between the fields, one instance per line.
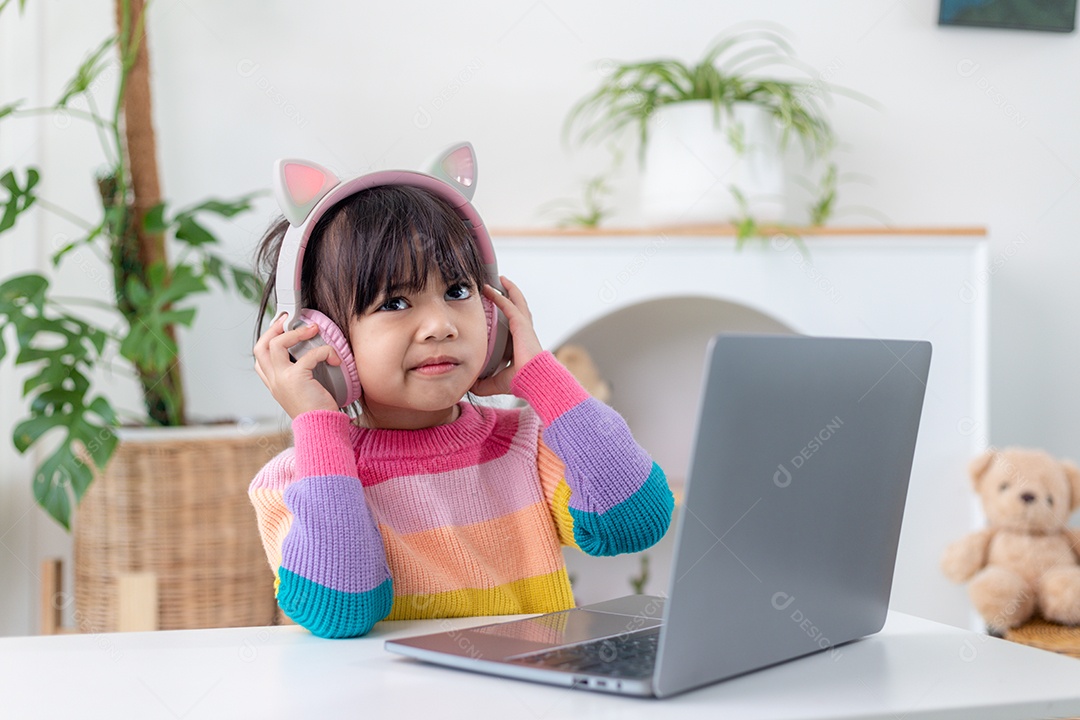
x=526, y=344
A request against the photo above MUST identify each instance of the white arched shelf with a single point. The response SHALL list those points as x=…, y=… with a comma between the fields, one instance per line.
x=644, y=303
x=652, y=354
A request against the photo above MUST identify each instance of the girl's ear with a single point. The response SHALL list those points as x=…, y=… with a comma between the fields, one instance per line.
x=457, y=166
x=298, y=187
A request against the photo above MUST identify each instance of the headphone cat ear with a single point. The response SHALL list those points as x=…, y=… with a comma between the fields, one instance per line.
x=457, y=166
x=298, y=187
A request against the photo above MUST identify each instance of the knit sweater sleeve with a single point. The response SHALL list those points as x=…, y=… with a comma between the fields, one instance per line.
x=612, y=497
x=320, y=538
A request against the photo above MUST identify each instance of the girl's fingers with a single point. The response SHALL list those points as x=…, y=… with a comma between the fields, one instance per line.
x=291, y=337
x=264, y=340
x=515, y=295
x=310, y=359
x=278, y=345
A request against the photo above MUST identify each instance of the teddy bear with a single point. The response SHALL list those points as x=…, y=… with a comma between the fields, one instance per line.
x=579, y=362
x=1027, y=560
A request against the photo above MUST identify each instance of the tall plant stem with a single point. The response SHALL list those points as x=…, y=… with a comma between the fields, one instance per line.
x=162, y=391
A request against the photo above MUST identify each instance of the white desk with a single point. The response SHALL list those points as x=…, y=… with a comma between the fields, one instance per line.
x=913, y=669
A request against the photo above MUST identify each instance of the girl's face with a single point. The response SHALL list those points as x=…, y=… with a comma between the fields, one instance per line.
x=418, y=353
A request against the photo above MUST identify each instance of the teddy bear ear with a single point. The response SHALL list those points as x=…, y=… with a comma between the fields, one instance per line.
x=978, y=467
x=1073, y=474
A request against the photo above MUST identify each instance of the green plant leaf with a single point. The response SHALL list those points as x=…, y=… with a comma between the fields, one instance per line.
x=56, y=401
x=19, y=198
x=247, y=284
x=98, y=441
x=53, y=374
x=81, y=477
x=52, y=484
x=224, y=208
x=23, y=289
x=148, y=345
x=214, y=267
x=30, y=431
x=190, y=231
x=184, y=282
x=55, y=339
x=822, y=208
x=97, y=339
x=101, y=407
x=5, y=3
x=85, y=240
x=10, y=107
x=154, y=220
x=89, y=71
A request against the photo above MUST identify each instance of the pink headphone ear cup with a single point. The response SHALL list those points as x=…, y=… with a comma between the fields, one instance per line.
x=489, y=317
x=332, y=335
x=500, y=345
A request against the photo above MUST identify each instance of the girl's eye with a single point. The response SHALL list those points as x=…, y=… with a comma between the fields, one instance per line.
x=458, y=291
x=396, y=303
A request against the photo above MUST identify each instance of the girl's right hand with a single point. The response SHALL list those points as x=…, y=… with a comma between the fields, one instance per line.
x=293, y=384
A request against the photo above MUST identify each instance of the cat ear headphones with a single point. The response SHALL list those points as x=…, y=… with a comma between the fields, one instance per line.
x=306, y=191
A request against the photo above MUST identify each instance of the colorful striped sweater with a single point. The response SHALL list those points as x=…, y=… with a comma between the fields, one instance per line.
x=467, y=518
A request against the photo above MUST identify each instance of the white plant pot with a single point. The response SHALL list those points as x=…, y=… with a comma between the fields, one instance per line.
x=690, y=166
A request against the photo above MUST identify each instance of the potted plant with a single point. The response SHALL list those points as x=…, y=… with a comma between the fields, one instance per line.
x=712, y=134
x=158, y=258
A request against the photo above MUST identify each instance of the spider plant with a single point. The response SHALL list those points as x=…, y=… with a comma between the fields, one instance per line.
x=725, y=76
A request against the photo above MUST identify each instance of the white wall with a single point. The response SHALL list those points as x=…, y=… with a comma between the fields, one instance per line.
x=977, y=127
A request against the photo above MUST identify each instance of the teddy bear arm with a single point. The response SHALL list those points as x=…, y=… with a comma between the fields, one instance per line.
x=966, y=556
x=1073, y=536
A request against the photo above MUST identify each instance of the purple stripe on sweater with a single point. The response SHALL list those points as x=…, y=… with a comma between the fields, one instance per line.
x=604, y=465
x=333, y=541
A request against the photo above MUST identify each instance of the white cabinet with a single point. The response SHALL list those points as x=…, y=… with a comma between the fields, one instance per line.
x=644, y=303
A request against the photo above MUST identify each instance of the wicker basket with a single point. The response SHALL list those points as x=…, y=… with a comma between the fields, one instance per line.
x=173, y=502
x=1046, y=635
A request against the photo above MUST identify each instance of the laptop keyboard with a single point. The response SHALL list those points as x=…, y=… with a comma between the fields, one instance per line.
x=621, y=656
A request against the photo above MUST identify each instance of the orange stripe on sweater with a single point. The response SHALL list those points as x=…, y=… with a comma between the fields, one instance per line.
x=274, y=521
x=553, y=481
x=473, y=556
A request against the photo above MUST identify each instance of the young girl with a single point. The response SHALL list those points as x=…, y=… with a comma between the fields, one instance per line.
x=417, y=504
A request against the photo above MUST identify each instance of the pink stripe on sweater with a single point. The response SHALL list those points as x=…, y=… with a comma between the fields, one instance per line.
x=323, y=444
x=549, y=397
x=475, y=438
x=463, y=496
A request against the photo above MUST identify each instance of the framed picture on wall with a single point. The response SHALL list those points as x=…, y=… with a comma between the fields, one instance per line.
x=1051, y=15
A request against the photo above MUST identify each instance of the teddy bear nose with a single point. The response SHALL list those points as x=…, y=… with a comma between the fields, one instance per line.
x=1028, y=498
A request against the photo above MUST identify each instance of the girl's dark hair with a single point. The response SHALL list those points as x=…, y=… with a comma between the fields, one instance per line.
x=378, y=242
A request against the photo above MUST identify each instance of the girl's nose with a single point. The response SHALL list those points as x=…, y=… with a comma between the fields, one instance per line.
x=438, y=323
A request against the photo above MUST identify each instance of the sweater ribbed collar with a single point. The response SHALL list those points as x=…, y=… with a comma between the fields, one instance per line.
x=470, y=429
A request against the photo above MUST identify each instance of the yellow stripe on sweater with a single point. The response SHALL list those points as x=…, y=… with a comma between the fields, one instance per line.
x=540, y=594
x=553, y=481
x=560, y=510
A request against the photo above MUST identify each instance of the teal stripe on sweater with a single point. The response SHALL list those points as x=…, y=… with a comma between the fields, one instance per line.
x=638, y=522
x=332, y=613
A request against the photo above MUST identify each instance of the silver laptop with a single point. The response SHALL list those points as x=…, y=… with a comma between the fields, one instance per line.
x=787, y=531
